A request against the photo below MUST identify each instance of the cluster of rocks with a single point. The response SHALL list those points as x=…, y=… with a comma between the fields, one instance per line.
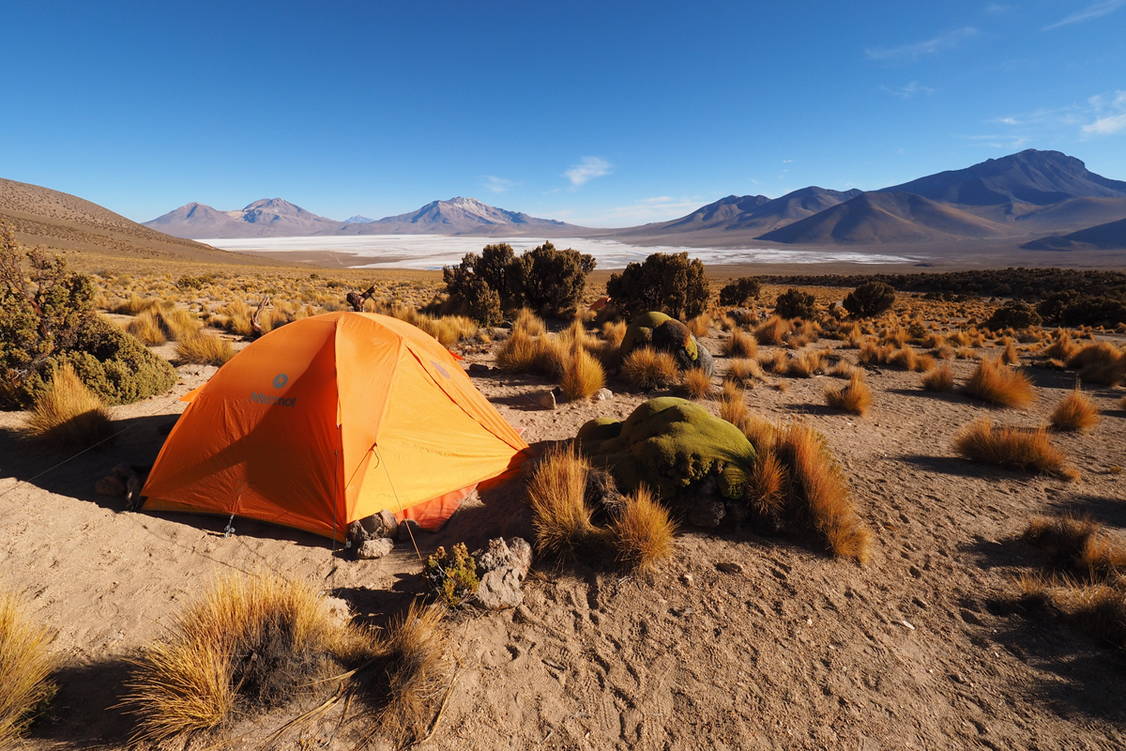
x=123, y=481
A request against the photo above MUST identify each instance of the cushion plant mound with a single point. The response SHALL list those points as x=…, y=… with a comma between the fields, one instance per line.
x=640, y=330
x=674, y=447
x=665, y=334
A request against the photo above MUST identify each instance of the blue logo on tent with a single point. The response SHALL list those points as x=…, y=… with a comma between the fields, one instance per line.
x=280, y=380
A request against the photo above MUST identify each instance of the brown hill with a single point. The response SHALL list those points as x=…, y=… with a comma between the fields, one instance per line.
x=60, y=221
x=1109, y=236
x=885, y=217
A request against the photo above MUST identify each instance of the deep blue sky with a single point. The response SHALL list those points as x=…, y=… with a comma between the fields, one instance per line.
x=603, y=113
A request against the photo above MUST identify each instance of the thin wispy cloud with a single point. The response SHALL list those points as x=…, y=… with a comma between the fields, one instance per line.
x=1100, y=115
x=588, y=168
x=996, y=9
x=498, y=184
x=999, y=140
x=1110, y=115
x=909, y=90
x=1090, y=13
x=916, y=50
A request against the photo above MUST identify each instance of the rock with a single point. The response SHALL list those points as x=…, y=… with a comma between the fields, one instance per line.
x=337, y=609
x=729, y=567
x=382, y=524
x=603, y=394
x=376, y=547
x=504, y=565
x=673, y=337
x=111, y=486
x=479, y=369
x=407, y=529
x=545, y=399
x=704, y=360
x=707, y=513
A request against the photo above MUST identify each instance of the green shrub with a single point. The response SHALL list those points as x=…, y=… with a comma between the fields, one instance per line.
x=452, y=575
x=869, y=299
x=671, y=283
x=547, y=280
x=738, y=291
x=1094, y=311
x=794, y=303
x=47, y=321
x=1014, y=314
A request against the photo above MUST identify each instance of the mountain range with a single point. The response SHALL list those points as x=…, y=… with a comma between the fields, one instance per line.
x=1030, y=199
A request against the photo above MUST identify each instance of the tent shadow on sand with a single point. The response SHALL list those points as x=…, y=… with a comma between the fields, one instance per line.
x=73, y=473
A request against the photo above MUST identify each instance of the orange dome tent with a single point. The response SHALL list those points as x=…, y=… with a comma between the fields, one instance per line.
x=331, y=419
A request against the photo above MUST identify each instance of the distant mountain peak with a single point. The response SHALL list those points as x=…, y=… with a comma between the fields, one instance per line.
x=358, y=219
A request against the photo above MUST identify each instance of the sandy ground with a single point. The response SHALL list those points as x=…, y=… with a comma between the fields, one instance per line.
x=793, y=651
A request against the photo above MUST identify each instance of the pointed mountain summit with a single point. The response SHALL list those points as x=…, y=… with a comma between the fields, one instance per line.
x=1034, y=177
x=266, y=217
x=460, y=216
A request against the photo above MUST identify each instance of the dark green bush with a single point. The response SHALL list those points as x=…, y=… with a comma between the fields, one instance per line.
x=671, y=283
x=497, y=281
x=794, y=303
x=551, y=281
x=738, y=291
x=869, y=299
x=1094, y=311
x=47, y=319
x=1013, y=315
x=452, y=575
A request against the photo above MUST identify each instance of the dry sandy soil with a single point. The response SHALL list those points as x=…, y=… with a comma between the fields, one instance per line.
x=794, y=650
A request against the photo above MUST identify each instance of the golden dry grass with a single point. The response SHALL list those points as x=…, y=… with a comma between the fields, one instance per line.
x=1079, y=546
x=998, y=384
x=733, y=405
x=1075, y=412
x=147, y=329
x=772, y=331
x=204, y=349
x=700, y=325
x=1100, y=362
x=582, y=374
x=855, y=397
x=561, y=517
x=642, y=533
x=403, y=677
x=646, y=369
x=26, y=665
x=528, y=322
x=803, y=365
x=251, y=643
x=743, y=371
x=1010, y=356
x=613, y=332
x=68, y=414
x=940, y=378
x=843, y=369
x=820, y=493
x=1028, y=450
x=697, y=384
x=767, y=483
x=741, y=344
x=1100, y=610
x=1062, y=347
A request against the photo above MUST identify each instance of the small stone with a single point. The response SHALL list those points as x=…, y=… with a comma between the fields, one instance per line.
x=603, y=394
x=382, y=524
x=686, y=580
x=729, y=567
x=479, y=369
x=408, y=528
x=505, y=565
x=337, y=609
x=545, y=399
x=374, y=548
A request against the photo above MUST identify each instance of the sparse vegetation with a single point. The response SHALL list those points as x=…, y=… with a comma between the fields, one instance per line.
x=855, y=397
x=1078, y=546
x=26, y=664
x=251, y=644
x=819, y=493
x=204, y=349
x=561, y=517
x=67, y=414
x=741, y=344
x=645, y=369
x=738, y=291
x=1014, y=314
x=697, y=384
x=1076, y=412
x=998, y=384
x=939, y=378
x=582, y=374
x=451, y=575
x=1028, y=450
x=642, y=533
